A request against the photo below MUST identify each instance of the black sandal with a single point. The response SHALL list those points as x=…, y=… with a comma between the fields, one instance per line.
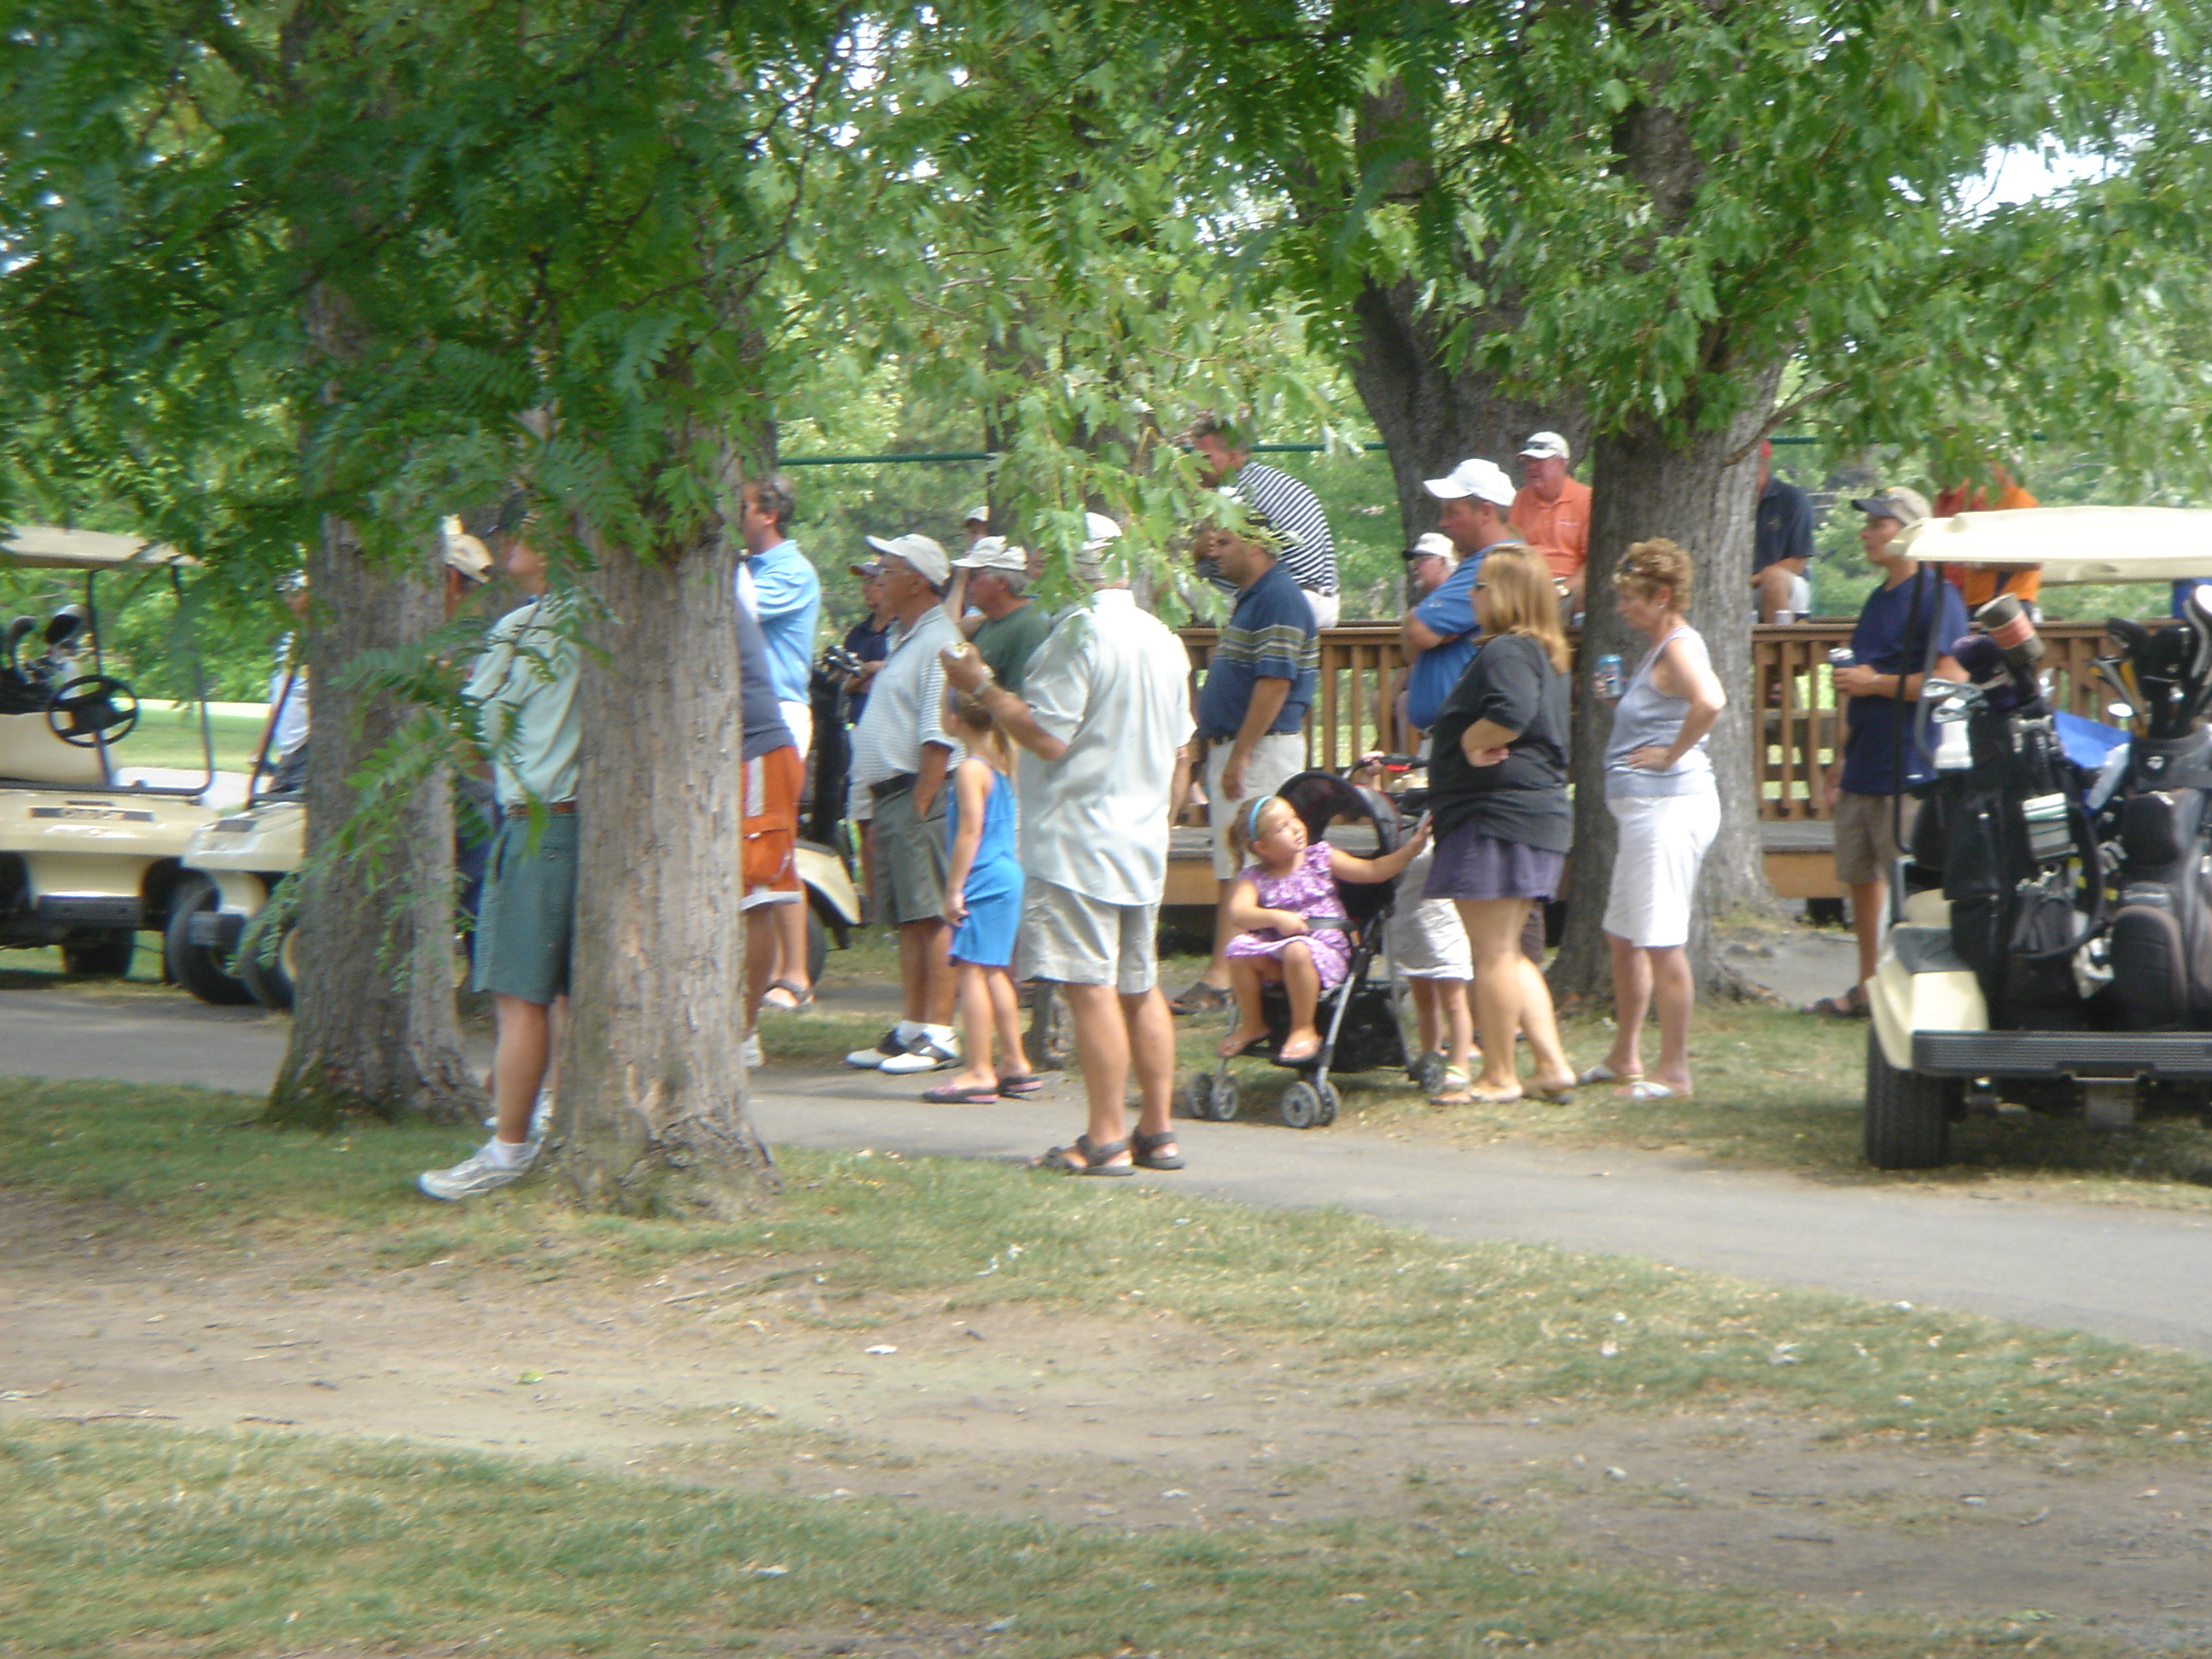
x=1146, y=1148
x=1094, y=1159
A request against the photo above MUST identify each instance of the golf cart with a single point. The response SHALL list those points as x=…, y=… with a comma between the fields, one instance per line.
x=87, y=859
x=2051, y=936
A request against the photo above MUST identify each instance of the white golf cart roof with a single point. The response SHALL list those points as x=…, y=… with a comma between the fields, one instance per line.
x=2073, y=543
x=47, y=547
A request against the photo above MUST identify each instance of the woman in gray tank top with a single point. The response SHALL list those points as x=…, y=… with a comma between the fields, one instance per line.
x=1659, y=788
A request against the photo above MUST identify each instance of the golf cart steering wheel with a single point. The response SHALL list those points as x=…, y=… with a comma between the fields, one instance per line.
x=95, y=710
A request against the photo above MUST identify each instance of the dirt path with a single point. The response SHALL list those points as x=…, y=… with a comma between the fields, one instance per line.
x=710, y=1373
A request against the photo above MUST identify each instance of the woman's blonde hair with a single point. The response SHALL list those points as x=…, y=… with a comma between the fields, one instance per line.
x=1647, y=567
x=1243, y=825
x=1522, y=600
x=973, y=715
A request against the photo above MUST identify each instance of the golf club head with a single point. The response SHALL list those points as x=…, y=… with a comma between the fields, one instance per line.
x=17, y=631
x=64, y=626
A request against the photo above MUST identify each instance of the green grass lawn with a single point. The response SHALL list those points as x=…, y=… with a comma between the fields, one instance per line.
x=172, y=738
x=135, y=1539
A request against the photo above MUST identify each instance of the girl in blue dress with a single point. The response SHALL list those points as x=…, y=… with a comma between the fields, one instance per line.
x=984, y=903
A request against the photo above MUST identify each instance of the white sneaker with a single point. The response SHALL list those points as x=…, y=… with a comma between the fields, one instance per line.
x=888, y=1046
x=749, y=1052
x=540, y=1115
x=927, y=1054
x=474, y=1175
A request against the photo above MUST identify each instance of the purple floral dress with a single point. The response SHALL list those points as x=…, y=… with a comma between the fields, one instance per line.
x=1311, y=890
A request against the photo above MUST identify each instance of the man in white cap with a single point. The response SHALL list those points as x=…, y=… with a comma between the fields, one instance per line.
x=976, y=524
x=1012, y=625
x=1106, y=712
x=1553, y=509
x=901, y=756
x=1307, y=549
x=1437, y=635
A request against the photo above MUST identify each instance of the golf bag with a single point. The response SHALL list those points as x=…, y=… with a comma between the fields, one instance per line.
x=2005, y=832
x=2161, y=952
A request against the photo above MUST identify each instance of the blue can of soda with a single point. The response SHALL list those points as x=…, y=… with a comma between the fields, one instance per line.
x=1607, y=682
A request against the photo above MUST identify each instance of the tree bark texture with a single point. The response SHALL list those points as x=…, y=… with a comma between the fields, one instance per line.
x=373, y=1027
x=1432, y=415
x=1694, y=492
x=651, y=1116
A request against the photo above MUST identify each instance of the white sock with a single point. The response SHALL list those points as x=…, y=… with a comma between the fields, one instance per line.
x=941, y=1035
x=508, y=1154
x=909, y=1030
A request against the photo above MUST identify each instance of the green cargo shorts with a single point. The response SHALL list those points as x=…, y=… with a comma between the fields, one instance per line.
x=528, y=914
x=910, y=870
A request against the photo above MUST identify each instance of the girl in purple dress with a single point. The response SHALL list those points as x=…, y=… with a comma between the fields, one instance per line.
x=1283, y=902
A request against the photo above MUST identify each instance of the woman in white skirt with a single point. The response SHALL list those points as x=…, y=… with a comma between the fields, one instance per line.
x=1659, y=788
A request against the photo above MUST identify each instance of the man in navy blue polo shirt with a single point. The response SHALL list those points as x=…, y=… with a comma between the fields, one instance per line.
x=1252, y=709
x=1879, y=756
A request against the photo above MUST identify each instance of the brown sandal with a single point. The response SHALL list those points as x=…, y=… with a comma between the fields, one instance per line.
x=1851, y=1005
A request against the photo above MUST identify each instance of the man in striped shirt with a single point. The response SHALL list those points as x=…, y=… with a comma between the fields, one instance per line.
x=1308, y=551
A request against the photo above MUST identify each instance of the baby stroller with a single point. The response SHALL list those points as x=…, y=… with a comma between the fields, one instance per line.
x=1358, y=1022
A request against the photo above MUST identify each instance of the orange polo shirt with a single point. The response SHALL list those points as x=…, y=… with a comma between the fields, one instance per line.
x=1558, y=530
x=1977, y=584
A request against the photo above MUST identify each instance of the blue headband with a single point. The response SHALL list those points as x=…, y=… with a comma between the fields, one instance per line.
x=1252, y=818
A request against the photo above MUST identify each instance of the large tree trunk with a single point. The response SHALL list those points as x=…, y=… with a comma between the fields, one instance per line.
x=373, y=1027
x=1702, y=493
x=651, y=1113
x=1430, y=415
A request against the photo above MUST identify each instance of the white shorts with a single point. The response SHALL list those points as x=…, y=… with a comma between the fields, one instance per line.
x=1326, y=607
x=1276, y=759
x=1663, y=840
x=1426, y=938
x=799, y=717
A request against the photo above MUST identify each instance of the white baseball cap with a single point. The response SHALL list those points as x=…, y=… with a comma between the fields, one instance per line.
x=1543, y=446
x=979, y=514
x=1484, y=480
x=462, y=551
x=929, y=560
x=992, y=553
x=1433, y=545
x=1100, y=530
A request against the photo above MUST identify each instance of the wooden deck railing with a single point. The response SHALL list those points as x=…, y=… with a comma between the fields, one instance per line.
x=1790, y=667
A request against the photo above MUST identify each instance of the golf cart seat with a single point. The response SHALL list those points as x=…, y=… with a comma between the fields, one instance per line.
x=31, y=753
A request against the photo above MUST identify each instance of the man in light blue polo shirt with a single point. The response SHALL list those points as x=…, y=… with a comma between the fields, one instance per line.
x=778, y=585
x=1438, y=633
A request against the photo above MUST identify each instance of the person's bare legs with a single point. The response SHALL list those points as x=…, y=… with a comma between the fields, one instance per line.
x=1006, y=1015
x=1427, y=1015
x=1540, y=1025
x=1493, y=939
x=521, y=1059
x=1673, y=993
x=1459, y=1022
x=1868, y=898
x=791, y=945
x=1102, y=1050
x=976, y=1015
x=1248, y=977
x=1631, y=999
x=941, y=986
x=760, y=959
x=1301, y=980
x=1151, y=1028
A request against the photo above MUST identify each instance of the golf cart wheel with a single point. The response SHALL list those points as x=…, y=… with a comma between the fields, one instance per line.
x=1303, y=1107
x=1908, y=1116
x=200, y=968
x=270, y=979
x=103, y=956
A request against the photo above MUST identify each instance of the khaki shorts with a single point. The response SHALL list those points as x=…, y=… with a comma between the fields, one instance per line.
x=1072, y=939
x=1426, y=939
x=1865, y=845
x=1276, y=759
x=909, y=868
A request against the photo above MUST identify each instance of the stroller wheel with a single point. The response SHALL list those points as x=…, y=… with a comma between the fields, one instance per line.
x=1329, y=1101
x=1225, y=1102
x=1304, y=1106
x=1198, y=1096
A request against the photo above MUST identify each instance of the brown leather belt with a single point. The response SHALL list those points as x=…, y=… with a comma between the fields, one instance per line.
x=557, y=808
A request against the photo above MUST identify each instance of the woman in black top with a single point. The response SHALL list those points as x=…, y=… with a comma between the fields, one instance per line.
x=1498, y=789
